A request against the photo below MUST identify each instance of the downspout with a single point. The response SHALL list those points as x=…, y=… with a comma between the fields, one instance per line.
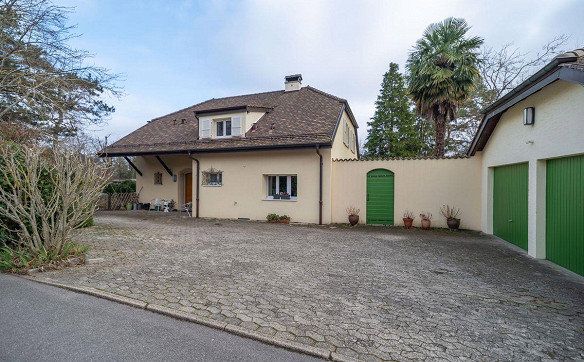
x=197, y=179
x=319, y=186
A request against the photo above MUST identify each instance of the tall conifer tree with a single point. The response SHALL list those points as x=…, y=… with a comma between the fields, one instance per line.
x=392, y=130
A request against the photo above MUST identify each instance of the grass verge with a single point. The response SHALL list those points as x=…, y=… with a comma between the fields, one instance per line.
x=19, y=260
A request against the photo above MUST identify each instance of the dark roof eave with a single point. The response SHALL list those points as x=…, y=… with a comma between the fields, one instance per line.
x=217, y=150
x=228, y=109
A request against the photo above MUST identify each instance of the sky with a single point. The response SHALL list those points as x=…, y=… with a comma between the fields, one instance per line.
x=173, y=54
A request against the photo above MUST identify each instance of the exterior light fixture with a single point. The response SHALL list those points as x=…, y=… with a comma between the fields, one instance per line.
x=529, y=116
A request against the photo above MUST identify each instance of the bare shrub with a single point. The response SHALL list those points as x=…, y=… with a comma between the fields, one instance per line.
x=47, y=193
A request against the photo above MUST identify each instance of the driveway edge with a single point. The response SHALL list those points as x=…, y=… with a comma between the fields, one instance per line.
x=208, y=322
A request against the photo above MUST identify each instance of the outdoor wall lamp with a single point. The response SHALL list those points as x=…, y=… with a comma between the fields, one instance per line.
x=529, y=116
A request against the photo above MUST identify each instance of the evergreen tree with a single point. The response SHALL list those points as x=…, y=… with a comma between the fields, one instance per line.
x=392, y=132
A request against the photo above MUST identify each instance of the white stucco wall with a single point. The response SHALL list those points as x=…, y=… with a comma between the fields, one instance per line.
x=339, y=149
x=420, y=186
x=169, y=189
x=244, y=190
x=558, y=131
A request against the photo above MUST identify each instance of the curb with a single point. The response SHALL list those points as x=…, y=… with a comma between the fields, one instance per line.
x=208, y=322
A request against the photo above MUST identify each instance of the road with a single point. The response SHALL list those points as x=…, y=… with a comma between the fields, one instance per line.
x=40, y=322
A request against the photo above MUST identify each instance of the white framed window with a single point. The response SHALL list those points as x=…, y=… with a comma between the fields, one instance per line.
x=223, y=127
x=282, y=187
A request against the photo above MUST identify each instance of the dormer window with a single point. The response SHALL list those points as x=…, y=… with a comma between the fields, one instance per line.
x=223, y=127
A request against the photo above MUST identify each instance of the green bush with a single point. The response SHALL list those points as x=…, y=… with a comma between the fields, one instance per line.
x=120, y=187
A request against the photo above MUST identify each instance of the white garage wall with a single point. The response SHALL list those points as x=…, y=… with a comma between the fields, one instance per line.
x=558, y=131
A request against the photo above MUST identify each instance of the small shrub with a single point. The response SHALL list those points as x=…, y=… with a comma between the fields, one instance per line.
x=273, y=217
x=449, y=212
x=284, y=219
x=352, y=210
x=426, y=216
x=408, y=215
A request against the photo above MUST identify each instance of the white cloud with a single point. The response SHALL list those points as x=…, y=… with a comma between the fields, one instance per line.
x=342, y=47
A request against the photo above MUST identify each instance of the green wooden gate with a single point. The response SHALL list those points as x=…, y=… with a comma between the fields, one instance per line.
x=380, y=197
x=565, y=212
x=510, y=203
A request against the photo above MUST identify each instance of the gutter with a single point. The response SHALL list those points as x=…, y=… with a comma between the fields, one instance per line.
x=319, y=185
x=197, y=179
x=211, y=150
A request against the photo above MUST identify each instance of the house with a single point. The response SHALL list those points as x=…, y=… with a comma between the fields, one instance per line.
x=521, y=180
x=251, y=155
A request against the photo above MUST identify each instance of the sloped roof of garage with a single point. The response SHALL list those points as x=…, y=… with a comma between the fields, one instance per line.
x=568, y=66
x=302, y=118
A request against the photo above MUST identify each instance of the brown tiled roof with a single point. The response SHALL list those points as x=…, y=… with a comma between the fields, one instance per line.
x=294, y=119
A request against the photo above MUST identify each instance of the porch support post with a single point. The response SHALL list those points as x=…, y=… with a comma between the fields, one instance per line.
x=164, y=165
x=133, y=166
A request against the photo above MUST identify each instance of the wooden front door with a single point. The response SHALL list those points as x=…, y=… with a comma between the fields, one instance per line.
x=188, y=187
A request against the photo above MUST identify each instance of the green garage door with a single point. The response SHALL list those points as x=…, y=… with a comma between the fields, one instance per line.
x=380, y=197
x=565, y=212
x=510, y=203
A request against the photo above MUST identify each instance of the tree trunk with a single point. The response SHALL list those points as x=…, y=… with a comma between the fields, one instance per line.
x=440, y=132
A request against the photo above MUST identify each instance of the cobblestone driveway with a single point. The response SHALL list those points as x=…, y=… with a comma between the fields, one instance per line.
x=369, y=293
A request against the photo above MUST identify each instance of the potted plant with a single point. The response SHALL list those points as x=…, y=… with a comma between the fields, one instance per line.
x=284, y=196
x=408, y=219
x=284, y=219
x=451, y=214
x=353, y=214
x=276, y=196
x=426, y=220
x=273, y=218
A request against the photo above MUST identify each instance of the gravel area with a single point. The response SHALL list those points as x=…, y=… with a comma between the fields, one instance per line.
x=366, y=292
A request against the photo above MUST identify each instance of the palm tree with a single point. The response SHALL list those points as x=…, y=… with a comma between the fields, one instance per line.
x=442, y=73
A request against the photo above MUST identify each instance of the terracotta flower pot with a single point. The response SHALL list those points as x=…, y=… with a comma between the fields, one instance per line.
x=408, y=221
x=353, y=220
x=426, y=224
x=453, y=224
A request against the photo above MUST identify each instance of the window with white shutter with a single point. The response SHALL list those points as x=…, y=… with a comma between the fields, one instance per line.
x=205, y=128
x=236, y=125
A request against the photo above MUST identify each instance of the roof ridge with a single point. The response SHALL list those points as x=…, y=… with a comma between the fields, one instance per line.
x=249, y=94
x=324, y=93
x=180, y=110
x=215, y=99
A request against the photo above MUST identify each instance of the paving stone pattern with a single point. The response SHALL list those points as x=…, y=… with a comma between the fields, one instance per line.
x=368, y=293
